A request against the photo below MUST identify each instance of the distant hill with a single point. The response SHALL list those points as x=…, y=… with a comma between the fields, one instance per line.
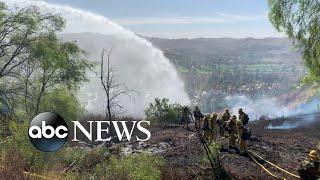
x=230, y=50
x=214, y=68
x=247, y=50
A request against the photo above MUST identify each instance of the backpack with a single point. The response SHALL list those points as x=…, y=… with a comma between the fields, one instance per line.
x=246, y=133
x=245, y=119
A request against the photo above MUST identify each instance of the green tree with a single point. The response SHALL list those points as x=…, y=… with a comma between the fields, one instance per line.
x=64, y=102
x=162, y=112
x=299, y=19
x=34, y=61
x=54, y=64
x=19, y=28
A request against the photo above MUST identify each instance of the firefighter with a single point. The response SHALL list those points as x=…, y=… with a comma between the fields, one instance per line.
x=185, y=117
x=212, y=126
x=222, y=122
x=232, y=131
x=243, y=117
x=241, y=137
x=205, y=127
x=197, y=116
x=310, y=169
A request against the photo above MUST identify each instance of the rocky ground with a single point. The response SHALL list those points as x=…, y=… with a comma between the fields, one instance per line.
x=184, y=154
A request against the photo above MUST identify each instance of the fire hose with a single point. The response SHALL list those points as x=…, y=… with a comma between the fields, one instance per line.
x=281, y=169
x=251, y=154
x=264, y=168
x=205, y=146
x=211, y=159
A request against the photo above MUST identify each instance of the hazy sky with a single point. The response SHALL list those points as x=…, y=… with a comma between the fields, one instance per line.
x=184, y=18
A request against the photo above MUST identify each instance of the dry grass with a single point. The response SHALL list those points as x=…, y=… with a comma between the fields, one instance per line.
x=12, y=164
x=172, y=173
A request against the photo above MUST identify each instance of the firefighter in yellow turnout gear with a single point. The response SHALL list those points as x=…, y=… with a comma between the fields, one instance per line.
x=212, y=126
x=222, y=122
x=310, y=169
x=205, y=127
x=232, y=131
x=241, y=137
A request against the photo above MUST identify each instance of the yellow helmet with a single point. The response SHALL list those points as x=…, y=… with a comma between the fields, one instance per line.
x=313, y=155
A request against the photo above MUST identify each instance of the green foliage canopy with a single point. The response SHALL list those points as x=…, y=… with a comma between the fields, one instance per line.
x=300, y=20
x=162, y=112
x=54, y=64
x=34, y=61
x=63, y=102
x=19, y=28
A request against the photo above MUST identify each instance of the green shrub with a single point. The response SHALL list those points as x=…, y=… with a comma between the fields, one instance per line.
x=218, y=172
x=215, y=149
x=162, y=112
x=60, y=101
x=63, y=102
x=50, y=164
x=19, y=155
x=36, y=160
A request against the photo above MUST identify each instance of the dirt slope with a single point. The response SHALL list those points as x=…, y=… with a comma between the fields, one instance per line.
x=284, y=147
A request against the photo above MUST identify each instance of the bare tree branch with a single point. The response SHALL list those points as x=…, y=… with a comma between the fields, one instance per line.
x=112, y=89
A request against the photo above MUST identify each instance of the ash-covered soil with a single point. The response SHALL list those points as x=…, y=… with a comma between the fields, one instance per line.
x=184, y=153
x=283, y=147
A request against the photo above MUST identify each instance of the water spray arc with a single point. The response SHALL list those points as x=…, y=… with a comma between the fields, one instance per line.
x=139, y=65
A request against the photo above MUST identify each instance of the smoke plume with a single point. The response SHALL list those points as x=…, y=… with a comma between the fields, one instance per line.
x=268, y=107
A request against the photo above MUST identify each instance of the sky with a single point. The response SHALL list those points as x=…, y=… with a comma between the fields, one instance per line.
x=184, y=18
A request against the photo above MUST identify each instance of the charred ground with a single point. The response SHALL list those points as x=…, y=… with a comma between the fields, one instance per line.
x=185, y=158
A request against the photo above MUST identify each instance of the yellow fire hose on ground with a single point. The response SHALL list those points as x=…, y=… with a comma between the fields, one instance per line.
x=264, y=168
x=251, y=153
x=281, y=169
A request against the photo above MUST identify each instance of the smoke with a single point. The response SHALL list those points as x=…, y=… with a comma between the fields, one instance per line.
x=285, y=125
x=293, y=122
x=137, y=63
x=269, y=107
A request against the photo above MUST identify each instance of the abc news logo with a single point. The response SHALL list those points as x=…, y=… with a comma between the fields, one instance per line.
x=48, y=131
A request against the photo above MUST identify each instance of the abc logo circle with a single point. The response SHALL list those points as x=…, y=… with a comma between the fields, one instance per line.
x=48, y=132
